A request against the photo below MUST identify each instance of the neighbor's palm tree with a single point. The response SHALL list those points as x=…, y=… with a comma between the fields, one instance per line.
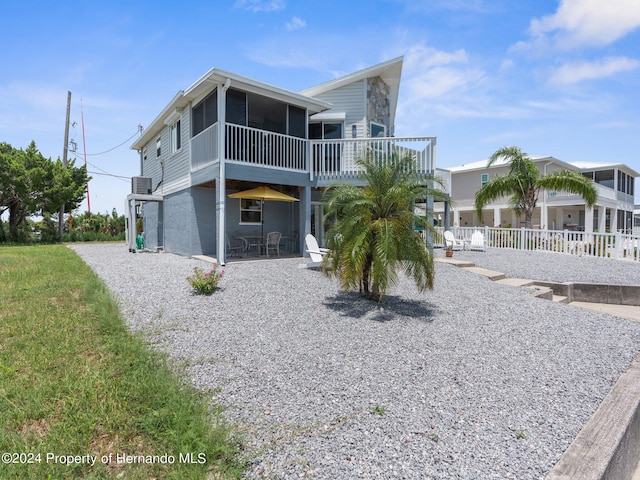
x=374, y=230
x=524, y=182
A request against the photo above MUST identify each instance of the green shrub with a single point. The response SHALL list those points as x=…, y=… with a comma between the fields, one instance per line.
x=205, y=283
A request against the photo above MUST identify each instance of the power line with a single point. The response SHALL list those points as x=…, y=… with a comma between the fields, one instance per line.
x=119, y=177
x=111, y=149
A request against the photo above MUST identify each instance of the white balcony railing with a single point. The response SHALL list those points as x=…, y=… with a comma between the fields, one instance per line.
x=337, y=159
x=324, y=160
x=204, y=147
x=266, y=149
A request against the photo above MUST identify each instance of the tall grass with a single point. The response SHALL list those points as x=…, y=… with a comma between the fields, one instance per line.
x=73, y=381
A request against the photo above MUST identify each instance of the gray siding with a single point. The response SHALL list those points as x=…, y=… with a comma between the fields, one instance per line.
x=350, y=99
x=169, y=172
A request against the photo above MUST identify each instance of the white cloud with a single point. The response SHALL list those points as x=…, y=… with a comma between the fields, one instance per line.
x=571, y=73
x=430, y=74
x=260, y=5
x=296, y=23
x=587, y=23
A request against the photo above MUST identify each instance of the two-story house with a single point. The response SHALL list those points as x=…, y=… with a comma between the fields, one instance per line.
x=227, y=133
x=613, y=210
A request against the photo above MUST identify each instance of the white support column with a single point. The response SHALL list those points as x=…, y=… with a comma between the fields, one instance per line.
x=559, y=218
x=304, y=218
x=544, y=214
x=588, y=219
x=497, y=219
x=221, y=190
x=602, y=219
x=613, y=224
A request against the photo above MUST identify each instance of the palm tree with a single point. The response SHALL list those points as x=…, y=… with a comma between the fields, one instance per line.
x=374, y=232
x=524, y=182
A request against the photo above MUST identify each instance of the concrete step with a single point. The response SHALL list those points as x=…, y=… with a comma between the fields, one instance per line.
x=516, y=282
x=490, y=274
x=560, y=299
x=457, y=263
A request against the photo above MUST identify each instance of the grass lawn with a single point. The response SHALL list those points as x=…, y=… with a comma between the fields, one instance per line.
x=74, y=382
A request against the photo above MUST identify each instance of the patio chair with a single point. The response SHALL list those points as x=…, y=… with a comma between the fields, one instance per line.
x=315, y=252
x=451, y=242
x=477, y=241
x=236, y=247
x=292, y=242
x=272, y=242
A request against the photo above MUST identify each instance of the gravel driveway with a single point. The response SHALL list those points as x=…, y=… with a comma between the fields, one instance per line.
x=471, y=380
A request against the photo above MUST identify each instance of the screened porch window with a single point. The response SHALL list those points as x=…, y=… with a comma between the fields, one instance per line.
x=204, y=114
x=605, y=177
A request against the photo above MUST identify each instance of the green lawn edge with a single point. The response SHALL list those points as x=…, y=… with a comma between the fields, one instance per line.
x=75, y=382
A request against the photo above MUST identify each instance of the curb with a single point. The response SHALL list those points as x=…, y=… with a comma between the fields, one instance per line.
x=608, y=446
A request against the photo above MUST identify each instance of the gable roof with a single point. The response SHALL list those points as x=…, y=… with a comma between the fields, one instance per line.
x=389, y=71
x=207, y=83
x=580, y=166
x=603, y=165
x=501, y=162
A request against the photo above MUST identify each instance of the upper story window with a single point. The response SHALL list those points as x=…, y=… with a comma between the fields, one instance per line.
x=377, y=130
x=605, y=178
x=159, y=146
x=297, y=122
x=484, y=178
x=625, y=183
x=144, y=154
x=204, y=114
x=325, y=130
x=175, y=136
x=264, y=113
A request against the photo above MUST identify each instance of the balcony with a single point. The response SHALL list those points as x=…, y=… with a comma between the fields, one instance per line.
x=331, y=160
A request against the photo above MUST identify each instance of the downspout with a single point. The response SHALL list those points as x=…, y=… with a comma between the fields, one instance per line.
x=222, y=191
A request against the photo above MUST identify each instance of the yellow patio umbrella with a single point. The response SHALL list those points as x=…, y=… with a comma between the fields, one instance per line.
x=264, y=193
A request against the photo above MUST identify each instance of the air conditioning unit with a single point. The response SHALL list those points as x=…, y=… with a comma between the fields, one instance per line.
x=141, y=185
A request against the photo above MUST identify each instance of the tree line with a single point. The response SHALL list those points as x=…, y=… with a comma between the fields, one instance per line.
x=32, y=185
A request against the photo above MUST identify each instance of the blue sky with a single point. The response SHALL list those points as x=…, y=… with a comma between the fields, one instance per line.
x=558, y=78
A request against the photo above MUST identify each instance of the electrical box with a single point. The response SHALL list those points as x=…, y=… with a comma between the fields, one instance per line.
x=141, y=185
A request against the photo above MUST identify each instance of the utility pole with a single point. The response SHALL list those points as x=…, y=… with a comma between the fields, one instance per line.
x=64, y=163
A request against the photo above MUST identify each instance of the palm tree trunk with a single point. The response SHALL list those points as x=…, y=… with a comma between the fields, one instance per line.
x=366, y=277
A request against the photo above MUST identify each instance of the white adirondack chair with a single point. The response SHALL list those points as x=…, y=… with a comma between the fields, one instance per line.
x=315, y=252
x=477, y=241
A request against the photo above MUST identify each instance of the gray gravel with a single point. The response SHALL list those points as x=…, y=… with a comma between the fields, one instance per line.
x=471, y=380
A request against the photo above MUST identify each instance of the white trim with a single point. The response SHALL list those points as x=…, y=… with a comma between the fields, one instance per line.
x=329, y=116
x=173, y=117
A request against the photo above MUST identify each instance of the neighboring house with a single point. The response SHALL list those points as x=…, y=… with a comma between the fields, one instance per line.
x=613, y=210
x=227, y=133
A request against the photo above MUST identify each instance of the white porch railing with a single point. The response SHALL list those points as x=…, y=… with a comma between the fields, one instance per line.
x=618, y=246
x=266, y=149
x=204, y=147
x=330, y=159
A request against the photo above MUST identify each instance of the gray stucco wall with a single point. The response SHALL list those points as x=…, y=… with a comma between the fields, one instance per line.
x=203, y=224
x=152, y=214
x=189, y=222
